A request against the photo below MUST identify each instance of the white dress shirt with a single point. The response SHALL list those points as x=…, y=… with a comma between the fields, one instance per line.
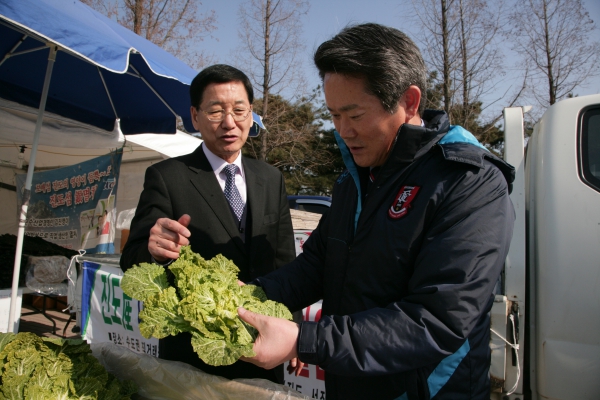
x=217, y=164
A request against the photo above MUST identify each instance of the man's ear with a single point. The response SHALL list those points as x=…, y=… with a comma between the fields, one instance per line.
x=194, y=115
x=411, y=99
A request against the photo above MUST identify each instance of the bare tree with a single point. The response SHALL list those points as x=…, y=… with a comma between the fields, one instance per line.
x=556, y=37
x=270, y=31
x=480, y=58
x=460, y=42
x=439, y=44
x=175, y=25
x=305, y=153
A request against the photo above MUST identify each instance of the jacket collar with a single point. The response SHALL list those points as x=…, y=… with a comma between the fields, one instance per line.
x=411, y=142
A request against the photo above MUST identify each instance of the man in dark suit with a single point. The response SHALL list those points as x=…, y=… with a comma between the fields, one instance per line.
x=216, y=201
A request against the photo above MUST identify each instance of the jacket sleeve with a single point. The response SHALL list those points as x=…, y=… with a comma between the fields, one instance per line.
x=154, y=203
x=299, y=283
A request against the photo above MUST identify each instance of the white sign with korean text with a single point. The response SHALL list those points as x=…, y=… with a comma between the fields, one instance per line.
x=108, y=314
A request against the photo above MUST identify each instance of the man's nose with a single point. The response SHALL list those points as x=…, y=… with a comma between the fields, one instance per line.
x=345, y=129
x=228, y=122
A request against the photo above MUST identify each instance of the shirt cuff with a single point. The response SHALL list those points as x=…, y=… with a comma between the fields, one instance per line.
x=307, y=343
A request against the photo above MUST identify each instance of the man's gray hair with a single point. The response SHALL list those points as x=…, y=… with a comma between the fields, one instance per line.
x=387, y=58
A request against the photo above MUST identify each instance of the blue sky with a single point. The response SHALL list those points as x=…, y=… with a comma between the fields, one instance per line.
x=327, y=17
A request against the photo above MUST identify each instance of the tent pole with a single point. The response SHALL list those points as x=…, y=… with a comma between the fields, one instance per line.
x=27, y=192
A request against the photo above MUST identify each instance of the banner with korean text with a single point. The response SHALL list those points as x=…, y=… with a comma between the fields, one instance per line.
x=74, y=206
x=108, y=314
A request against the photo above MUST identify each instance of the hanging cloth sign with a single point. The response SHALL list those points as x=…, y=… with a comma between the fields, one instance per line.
x=75, y=206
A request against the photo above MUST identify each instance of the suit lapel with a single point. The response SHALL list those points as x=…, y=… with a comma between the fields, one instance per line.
x=204, y=181
x=255, y=189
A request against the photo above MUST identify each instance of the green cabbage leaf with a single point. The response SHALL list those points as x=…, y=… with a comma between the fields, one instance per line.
x=33, y=367
x=204, y=304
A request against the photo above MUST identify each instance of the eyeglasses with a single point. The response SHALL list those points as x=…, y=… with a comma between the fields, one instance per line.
x=239, y=114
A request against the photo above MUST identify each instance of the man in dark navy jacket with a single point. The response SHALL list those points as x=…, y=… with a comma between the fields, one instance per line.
x=407, y=258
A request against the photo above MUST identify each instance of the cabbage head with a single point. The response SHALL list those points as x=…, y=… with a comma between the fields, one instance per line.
x=34, y=367
x=205, y=304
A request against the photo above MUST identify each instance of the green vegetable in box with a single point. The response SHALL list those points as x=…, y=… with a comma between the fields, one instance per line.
x=33, y=367
x=204, y=304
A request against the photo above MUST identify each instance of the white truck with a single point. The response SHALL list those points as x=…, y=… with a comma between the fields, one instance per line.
x=545, y=335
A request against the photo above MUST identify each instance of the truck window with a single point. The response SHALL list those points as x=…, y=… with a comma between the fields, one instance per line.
x=590, y=147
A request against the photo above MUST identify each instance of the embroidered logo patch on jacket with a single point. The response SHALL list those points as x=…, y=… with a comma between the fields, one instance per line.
x=402, y=202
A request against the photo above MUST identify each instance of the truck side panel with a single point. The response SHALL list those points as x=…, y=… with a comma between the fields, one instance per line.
x=563, y=257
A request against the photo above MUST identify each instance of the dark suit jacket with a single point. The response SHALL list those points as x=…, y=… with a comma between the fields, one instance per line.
x=187, y=185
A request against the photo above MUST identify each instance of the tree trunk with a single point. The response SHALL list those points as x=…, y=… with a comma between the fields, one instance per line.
x=265, y=105
x=549, y=69
x=138, y=16
x=465, y=72
x=446, y=56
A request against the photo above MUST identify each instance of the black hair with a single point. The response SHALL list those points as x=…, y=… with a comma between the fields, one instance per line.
x=385, y=57
x=218, y=73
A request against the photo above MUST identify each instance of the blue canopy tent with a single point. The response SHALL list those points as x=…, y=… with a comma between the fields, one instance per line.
x=63, y=57
x=102, y=71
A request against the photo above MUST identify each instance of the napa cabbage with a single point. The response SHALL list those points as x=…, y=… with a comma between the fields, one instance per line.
x=205, y=304
x=33, y=367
